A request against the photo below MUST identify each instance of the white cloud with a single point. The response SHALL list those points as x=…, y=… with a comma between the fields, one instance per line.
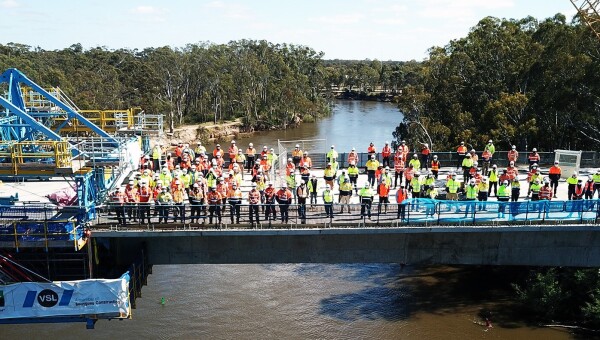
x=9, y=4
x=150, y=13
x=230, y=10
x=338, y=19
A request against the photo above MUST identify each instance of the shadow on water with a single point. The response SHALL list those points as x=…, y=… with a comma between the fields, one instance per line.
x=393, y=292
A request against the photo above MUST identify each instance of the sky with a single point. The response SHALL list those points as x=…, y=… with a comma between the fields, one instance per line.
x=342, y=29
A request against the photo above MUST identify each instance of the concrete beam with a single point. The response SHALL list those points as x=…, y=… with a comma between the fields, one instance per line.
x=575, y=246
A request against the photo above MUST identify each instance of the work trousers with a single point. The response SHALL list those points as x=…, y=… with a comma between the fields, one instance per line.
x=253, y=212
x=214, y=210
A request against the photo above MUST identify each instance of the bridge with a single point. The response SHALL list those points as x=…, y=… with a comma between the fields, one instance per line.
x=543, y=233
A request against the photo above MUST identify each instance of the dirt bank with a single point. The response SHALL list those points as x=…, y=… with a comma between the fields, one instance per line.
x=206, y=132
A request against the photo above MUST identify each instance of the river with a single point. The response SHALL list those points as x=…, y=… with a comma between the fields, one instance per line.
x=315, y=301
x=351, y=124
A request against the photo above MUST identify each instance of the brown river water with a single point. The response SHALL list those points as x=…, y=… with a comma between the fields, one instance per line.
x=316, y=301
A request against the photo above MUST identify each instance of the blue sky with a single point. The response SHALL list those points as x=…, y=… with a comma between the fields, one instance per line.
x=350, y=29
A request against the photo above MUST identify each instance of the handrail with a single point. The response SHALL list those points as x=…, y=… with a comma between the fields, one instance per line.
x=416, y=212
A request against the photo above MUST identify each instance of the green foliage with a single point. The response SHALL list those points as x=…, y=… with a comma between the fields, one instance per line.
x=267, y=85
x=561, y=294
x=519, y=82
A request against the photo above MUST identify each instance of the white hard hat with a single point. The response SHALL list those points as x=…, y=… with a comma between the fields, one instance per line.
x=386, y=142
x=372, y=156
x=514, y=146
x=352, y=163
x=250, y=144
x=333, y=146
x=297, y=145
x=353, y=149
x=232, y=142
x=490, y=141
x=534, y=150
x=289, y=159
x=434, y=156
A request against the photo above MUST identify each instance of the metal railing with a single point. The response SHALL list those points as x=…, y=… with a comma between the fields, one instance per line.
x=412, y=212
x=30, y=232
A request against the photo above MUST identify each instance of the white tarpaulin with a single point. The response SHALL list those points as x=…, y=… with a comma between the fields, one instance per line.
x=102, y=298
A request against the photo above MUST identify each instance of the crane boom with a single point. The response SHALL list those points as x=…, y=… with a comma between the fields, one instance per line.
x=588, y=11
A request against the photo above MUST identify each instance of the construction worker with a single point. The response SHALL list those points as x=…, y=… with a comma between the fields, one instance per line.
x=482, y=189
x=284, y=198
x=345, y=194
x=571, y=183
x=353, y=156
x=157, y=152
x=200, y=149
x=144, y=199
x=403, y=149
x=471, y=193
x=432, y=193
x=217, y=151
x=305, y=166
x=240, y=159
x=371, y=150
x=386, y=154
x=313, y=188
x=353, y=175
x=131, y=194
x=302, y=195
x=250, y=157
x=214, y=200
x=118, y=202
x=503, y=196
x=532, y=175
x=269, y=200
x=415, y=162
x=366, y=199
x=435, y=166
x=291, y=184
x=398, y=166
x=332, y=157
x=428, y=184
x=490, y=147
x=415, y=185
x=234, y=197
x=409, y=174
x=452, y=186
x=545, y=191
x=579, y=190
x=329, y=174
x=297, y=155
x=290, y=168
x=534, y=158
x=371, y=167
x=486, y=160
x=515, y=190
x=178, y=196
x=165, y=200
x=554, y=175
x=425, y=156
x=474, y=156
x=254, y=202
x=328, y=201
x=384, y=182
x=467, y=164
x=197, y=202
x=494, y=178
x=461, y=152
x=589, y=188
x=401, y=196
x=512, y=171
x=513, y=155
x=596, y=178
x=272, y=157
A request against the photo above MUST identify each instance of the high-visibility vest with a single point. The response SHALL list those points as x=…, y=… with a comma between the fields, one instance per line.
x=435, y=165
x=471, y=192
x=400, y=195
x=312, y=185
x=467, y=162
x=461, y=150
x=251, y=152
x=327, y=196
x=253, y=196
x=365, y=193
x=200, y=149
x=156, y=152
x=386, y=151
x=384, y=190
x=493, y=176
x=483, y=187
x=572, y=180
x=353, y=171
x=415, y=184
x=596, y=178
x=546, y=193
x=346, y=186
x=502, y=192
x=415, y=163
x=296, y=153
x=372, y=164
x=453, y=186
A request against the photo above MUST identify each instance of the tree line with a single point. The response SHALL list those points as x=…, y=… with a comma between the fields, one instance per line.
x=519, y=82
x=265, y=85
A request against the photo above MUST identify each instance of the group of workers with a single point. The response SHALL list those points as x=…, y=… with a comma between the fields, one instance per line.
x=169, y=178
